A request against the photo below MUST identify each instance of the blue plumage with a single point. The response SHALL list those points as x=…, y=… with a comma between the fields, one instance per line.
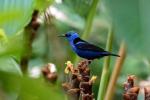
x=85, y=49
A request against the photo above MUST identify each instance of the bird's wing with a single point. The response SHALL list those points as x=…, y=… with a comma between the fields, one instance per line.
x=77, y=40
x=83, y=45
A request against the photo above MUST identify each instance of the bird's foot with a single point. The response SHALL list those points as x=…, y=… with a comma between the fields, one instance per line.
x=88, y=62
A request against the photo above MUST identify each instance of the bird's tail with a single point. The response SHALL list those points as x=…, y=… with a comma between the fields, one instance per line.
x=114, y=55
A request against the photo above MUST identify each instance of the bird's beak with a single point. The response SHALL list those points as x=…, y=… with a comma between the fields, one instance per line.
x=63, y=35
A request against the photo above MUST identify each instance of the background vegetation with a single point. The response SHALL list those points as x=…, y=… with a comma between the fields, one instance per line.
x=94, y=20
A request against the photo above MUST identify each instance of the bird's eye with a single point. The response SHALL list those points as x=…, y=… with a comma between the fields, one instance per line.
x=68, y=35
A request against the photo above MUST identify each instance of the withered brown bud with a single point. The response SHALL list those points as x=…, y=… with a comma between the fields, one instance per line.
x=80, y=83
x=52, y=77
x=131, y=91
x=134, y=90
x=130, y=96
x=130, y=80
x=45, y=71
x=50, y=73
x=147, y=93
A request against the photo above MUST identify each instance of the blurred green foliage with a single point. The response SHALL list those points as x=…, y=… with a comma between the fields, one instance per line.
x=22, y=88
x=131, y=22
x=129, y=18
x=15, y=14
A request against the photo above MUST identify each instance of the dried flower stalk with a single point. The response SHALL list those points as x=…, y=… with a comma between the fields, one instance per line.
x=130, y=91
x=80, y=85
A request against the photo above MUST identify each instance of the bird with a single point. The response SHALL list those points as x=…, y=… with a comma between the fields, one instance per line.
x=85, y=49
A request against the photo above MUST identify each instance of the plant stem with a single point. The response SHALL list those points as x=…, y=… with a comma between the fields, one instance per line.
x=89, y=20
x=27, y=51
x=105, y=72
x=116, y=72
x=29, y=35
x=88, y=25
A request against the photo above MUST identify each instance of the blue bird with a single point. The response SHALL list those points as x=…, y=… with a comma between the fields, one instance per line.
x=85, y=49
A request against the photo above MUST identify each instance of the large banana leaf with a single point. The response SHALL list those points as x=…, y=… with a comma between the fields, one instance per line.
x=9, y=49
x=15, y=14
x=8, y=64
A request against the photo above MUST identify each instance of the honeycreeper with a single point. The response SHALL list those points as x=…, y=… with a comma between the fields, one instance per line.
x=84, y=49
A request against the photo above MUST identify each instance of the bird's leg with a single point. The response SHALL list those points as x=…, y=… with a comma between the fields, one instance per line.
x=88, y=61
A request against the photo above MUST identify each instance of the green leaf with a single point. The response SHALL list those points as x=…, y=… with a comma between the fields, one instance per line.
x=37, y=90
x=131, y=23
x=10, y=85
x=3, y=37
x=15, y=14
x=8, y=64
x=43, y=4
x=12, y=47
x=25, y=88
